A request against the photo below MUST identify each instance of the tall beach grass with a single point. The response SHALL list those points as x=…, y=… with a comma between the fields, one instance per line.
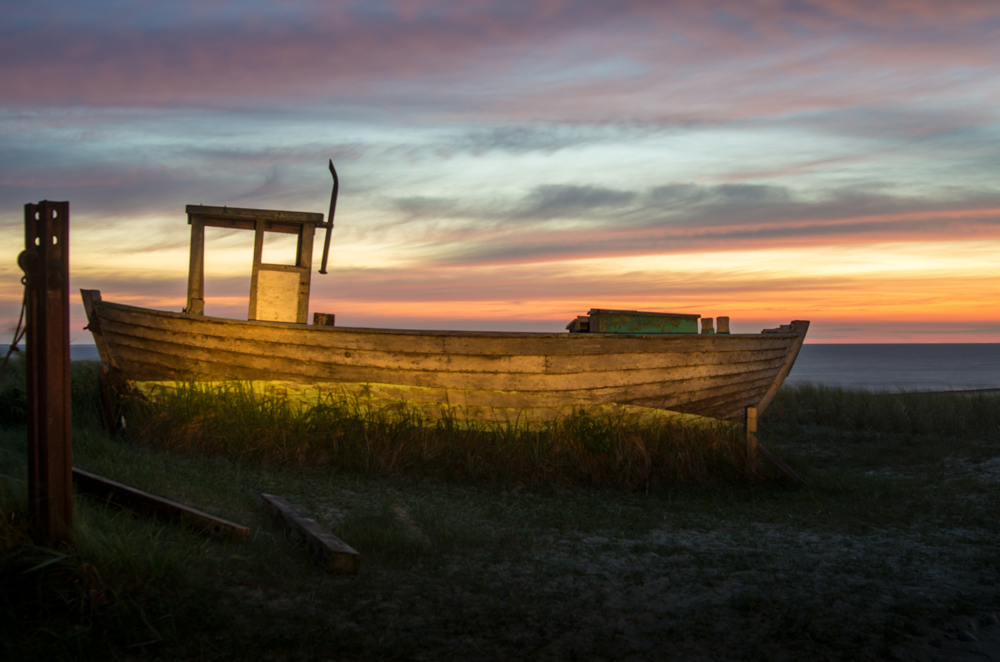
x=234, y=419
x=948, y=414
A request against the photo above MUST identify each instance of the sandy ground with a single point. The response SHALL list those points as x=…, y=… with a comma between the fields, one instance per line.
x=964, y=639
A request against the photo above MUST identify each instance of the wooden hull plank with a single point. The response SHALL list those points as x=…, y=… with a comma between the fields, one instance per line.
x=568, y=364
x=234, y=365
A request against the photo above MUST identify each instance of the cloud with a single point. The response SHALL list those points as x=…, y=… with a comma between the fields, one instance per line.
x=582, y=61
x=685, y=217
x=418, y=208
x=540, y=138
x=486, y=133
x=573, y=202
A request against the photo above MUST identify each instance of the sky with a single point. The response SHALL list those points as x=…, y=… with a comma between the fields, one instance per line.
x=510, y=165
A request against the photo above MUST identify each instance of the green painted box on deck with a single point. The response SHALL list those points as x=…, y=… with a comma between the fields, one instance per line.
x=635, y=321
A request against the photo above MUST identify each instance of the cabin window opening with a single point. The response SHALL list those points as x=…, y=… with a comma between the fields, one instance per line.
x=280, y=248
x=228, y=268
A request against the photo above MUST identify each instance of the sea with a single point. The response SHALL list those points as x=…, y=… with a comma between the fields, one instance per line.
x=894, y=367
x=910, y=367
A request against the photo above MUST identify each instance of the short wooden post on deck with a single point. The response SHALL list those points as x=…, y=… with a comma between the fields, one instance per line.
x=45, y=262
x=751, y=432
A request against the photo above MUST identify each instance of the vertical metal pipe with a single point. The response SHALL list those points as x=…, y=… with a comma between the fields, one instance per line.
x=329, y=217
x=45, y=262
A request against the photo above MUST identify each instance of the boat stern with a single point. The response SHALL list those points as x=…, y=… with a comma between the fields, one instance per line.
x=91, y=298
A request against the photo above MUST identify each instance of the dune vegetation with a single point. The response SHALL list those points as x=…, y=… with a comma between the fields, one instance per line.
x=581, y=538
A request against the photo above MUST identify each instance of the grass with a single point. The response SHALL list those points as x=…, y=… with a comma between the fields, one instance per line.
x=473, y=547
x=958, y=414
x=236, y=421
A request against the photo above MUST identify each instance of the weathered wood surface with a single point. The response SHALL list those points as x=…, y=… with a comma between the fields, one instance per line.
x=708, y=375
x=800, y=328
x=222, y=216
x=196, y=269
x=335, y=554
x=131, y=498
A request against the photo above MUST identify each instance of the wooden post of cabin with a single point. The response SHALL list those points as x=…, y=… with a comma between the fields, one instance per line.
x=751, y=432
x=196, y=268
x=258, y=256
x=303, y=259
x=45, y=262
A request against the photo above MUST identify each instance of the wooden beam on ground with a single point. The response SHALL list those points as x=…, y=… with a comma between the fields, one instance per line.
x=335, y=554
x=130, y=498
x=778, y=462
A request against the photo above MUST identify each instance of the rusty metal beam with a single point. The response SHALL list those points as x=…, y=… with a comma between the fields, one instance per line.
x=45, y=262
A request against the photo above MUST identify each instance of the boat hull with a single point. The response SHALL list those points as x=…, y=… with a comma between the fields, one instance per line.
x=488, y=374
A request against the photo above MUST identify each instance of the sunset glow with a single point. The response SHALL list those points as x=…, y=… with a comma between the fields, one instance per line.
x=512, y=165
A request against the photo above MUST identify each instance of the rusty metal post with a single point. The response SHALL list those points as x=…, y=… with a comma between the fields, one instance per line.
x=45, y=262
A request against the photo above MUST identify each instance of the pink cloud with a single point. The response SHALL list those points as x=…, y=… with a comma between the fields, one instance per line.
x=502, y=244
x=586, y=60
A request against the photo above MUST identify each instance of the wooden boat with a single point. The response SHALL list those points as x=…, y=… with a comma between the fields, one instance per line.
x=487, y=375
x=610, y=362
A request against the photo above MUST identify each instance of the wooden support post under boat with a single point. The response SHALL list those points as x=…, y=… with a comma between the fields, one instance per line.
x=45, y=262
x=335, y=554
x=754, y=448
x=751, y=432
x=130, y=498
x=106, y=401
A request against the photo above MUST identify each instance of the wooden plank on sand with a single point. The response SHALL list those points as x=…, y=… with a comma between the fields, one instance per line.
x=333, y=552
x=778, y=462
x=130, y=498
